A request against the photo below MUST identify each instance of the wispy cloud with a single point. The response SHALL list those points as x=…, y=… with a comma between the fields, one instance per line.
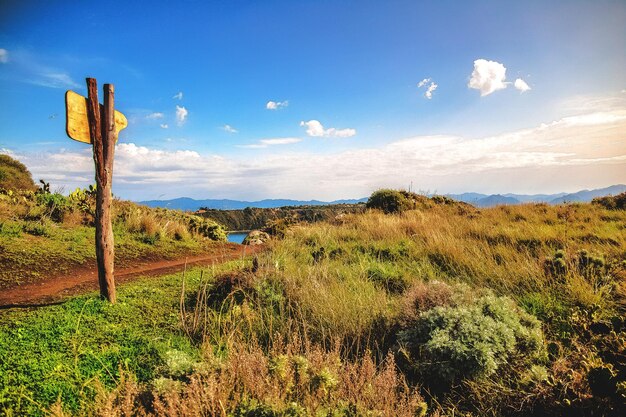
x=229, y=129
x=264, y=143
x=521, y=85
x=430, y=85
x=487, y=77
x=316, y=129
x=275, y=105
x=178, y=96
x=33, y=69
x=164, y=126
x=155, y=115
x=53, y=80
x=181, y=115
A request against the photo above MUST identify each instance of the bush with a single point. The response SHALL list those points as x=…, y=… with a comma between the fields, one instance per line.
x=617, y=202
x=389, y=201
x=447, y=344
x=207, y=228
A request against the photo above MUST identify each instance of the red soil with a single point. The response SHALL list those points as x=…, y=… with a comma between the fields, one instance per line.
x=55, y=289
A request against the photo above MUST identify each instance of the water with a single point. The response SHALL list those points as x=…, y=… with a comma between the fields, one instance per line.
x=237, y=237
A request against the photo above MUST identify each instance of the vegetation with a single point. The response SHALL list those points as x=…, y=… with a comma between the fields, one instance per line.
x=617, y=202
x=252, y=218
x=14, y=175
x=44, y=234
x=442, y=309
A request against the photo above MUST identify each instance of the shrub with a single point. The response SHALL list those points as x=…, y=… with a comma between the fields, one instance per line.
x=389, y=201
x=617, y=202
x=55, y=204
x=207, y=228
x=447, y=344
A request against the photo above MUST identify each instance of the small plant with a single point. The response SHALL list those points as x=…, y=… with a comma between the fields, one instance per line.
x=385, y=277
x=557, y=265
x=36, y=229
x=447, y=344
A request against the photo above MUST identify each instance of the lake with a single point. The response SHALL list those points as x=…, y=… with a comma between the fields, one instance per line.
x=237, y=237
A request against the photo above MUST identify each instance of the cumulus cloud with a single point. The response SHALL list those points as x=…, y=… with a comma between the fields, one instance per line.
x=178, y=96
x=521, y=85
x=275, y=105
x=155, y=115
x=316, y=129
x=229, y=129
x=585, y=150
x=430, y=85
x=487, y=77
x=264, y=143
x=164, y=125
x=181, y=115
x=4, y=56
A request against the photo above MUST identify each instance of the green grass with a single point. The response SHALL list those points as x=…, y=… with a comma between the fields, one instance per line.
x=44, y=235
x=332, y=302
x=67, y=352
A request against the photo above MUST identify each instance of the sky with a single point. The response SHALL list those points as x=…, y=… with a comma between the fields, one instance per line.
x=322, y=99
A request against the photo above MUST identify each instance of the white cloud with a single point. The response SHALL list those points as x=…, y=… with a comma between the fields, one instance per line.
x=53, y=80
x=430, y=88
x=521, y=85
x=181, y=115
x=275, y=105
x=4, y=56
x=316, y=129
x=155, y=115
x=229, y=129
x=487, y=77
x=581, y=151
x=178, y=96
x=264, y=143
x=164, y=126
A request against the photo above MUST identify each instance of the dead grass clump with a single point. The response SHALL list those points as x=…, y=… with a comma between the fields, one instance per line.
x=290, y=380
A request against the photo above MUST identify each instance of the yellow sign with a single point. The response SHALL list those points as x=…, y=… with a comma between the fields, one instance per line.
x=76, y=122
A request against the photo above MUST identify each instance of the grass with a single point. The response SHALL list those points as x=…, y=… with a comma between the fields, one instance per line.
x=318, y=325
x=44, y=234
x=68, y=352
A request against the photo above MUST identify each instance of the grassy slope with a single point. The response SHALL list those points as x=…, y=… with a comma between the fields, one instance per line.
x=43, y=235
x=343, y=289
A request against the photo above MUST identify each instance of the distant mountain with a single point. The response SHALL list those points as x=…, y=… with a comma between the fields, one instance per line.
x=477, y=199
x=496, y=200
x=189, y=204
x=588, y=195
x=535, y=198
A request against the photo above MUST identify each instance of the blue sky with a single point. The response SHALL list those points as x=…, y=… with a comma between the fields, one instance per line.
x=348, y=116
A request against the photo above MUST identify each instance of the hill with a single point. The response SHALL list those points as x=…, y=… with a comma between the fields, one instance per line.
x=190, y=204
x=45, y=234
x=477, y=199
x=588, y=195
x=14, y=175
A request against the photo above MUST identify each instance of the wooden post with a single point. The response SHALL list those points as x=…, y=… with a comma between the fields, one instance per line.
x=103, y=136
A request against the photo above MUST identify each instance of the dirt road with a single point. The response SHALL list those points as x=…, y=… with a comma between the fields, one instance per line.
x=55, y=289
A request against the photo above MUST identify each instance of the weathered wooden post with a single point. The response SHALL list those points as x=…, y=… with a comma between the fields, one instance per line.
x=103, y=135
x=89, y=122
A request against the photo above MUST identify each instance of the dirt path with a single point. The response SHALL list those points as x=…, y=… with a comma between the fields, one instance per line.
x=55, y=289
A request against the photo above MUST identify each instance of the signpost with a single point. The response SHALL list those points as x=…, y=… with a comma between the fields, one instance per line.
x=89, y=122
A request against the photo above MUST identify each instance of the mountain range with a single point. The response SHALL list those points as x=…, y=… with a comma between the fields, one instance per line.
x=477, y=199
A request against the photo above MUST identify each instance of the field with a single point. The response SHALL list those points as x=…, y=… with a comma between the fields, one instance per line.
x=435, y=309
